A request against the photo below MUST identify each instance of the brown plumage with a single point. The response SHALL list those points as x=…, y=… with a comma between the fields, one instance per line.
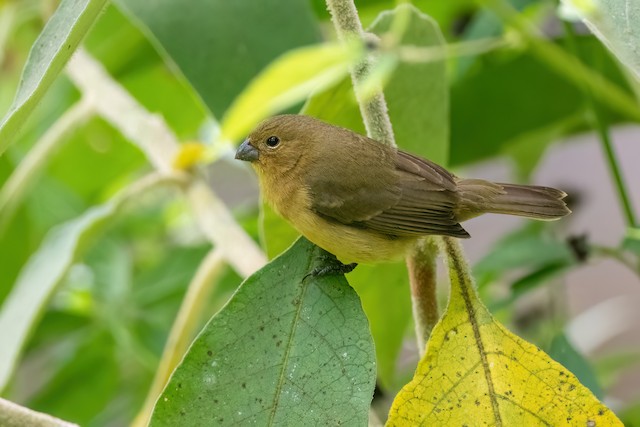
x=367, y=202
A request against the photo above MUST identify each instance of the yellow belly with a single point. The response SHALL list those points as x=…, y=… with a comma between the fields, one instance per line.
x=351, y=244
x=290, y=199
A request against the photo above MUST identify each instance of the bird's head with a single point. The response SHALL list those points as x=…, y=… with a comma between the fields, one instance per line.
x=277, y=144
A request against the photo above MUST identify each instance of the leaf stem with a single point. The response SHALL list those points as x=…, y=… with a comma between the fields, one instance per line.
x=194, y=305
x=605, y=139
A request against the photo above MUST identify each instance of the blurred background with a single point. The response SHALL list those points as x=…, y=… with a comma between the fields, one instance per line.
x=571, y=287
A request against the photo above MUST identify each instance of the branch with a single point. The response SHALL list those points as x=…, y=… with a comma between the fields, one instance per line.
x=152, y=135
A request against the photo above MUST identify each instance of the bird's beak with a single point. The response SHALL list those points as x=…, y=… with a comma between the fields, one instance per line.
x=247, y=152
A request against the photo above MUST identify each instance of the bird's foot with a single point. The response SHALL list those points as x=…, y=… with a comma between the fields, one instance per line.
x=331, y=267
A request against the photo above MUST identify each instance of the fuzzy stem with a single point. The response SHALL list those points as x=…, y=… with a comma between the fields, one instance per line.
x=187, y=323
x=376, y=118
x=373, y=109
x=422, y=277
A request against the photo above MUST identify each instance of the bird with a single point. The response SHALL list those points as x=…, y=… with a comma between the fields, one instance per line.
x=368, y=202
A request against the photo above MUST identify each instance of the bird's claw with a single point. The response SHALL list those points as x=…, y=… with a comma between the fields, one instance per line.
x=331, y=267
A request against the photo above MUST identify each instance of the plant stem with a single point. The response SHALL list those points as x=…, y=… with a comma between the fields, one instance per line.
x=422, y=273
x=151, y=134
x=422, y=277
x=373, y=110
x=614, y=168
x=605, y=139
x=187, y=322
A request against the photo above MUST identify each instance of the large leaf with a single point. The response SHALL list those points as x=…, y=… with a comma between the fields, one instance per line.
x=43, y=273
x=383, y=290
x=616, y=23
x=220, y=45
x=476, y=372
x=288, y=349
x=49, y=54
x=416, y=94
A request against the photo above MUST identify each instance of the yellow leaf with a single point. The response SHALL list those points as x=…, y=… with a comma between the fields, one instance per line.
x=476, y=373
x=288, y=80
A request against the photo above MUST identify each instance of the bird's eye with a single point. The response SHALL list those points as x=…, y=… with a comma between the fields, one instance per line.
x=273, y=141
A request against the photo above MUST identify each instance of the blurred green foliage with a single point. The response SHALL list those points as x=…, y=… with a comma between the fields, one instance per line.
x=93, y=354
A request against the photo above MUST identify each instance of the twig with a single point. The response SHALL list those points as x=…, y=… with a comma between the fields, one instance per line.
x=184, y=328
x=152, y=135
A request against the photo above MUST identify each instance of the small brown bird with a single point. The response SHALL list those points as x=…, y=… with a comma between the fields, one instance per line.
x=364, y=201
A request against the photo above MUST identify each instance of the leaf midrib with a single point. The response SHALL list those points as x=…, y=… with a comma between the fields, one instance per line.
x=285, y=362
x=464, y=291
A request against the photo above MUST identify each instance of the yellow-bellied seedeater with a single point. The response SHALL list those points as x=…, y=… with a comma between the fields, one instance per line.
x=364, y=201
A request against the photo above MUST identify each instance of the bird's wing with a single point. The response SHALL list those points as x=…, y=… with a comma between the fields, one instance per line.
x=416, y=198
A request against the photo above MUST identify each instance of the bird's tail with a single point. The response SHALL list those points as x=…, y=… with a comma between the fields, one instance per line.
x=479, y=196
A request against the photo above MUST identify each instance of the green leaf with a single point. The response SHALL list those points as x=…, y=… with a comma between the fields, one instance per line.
x=384, y=292
x=337, y=106
x=563, y=352
x=78, y=374
x=616, y=23
x=276, y=234
x=476, y=371
x=49, y=54
x=416, y=95
x=287, y=81
x=532, y=96
x=527, y=247
x=287, y=349
x=45, y=270
x=538, y=277
x=221, y=45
